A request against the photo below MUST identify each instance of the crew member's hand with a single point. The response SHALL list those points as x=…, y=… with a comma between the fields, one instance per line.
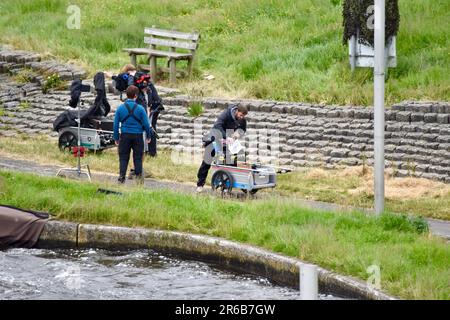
x=148, y=140
x=117, y=142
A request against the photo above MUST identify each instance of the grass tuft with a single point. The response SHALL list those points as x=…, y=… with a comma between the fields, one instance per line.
x=195, y=109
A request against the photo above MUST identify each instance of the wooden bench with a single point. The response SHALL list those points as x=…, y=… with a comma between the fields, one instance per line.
x=171, y=39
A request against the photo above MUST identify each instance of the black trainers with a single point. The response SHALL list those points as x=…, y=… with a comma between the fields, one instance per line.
x=132, y=174
x=121, y=180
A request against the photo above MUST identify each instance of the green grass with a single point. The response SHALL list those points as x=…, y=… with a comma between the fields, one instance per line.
x=195, y=109
x=432, y=199
x=332, y=186
x=24, y=105
x=413, y=264
x=24, y=76
x=283, y=50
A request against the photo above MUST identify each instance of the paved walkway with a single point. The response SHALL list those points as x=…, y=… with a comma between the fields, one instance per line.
x=438, y=227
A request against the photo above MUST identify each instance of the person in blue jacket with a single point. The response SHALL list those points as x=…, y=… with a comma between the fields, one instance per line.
x=133, y=120
x=147, y=97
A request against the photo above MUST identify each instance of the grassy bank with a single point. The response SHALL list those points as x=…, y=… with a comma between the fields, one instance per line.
x=284, y=50
x=413, y=264
x=352, y=186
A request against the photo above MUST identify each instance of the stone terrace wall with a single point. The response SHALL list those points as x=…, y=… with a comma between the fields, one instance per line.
x=417, y=133
x=24, y=108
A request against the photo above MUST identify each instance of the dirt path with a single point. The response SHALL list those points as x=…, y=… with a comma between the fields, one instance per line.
x=438, y=227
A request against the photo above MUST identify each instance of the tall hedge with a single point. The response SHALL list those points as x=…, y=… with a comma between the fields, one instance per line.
x=356, y=17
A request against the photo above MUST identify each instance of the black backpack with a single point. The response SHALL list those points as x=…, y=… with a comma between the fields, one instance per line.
x=121, y=81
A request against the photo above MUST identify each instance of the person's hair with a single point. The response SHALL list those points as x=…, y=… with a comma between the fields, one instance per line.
x=242, y=109
x=127, y=68
x=132, y=91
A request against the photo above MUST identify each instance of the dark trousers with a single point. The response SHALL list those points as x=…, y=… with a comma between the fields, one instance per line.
x=202, y=173
x=152, y=144
x=128, y=142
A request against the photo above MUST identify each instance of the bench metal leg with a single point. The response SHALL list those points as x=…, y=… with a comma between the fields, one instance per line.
x=173, y=71
x=153, y=67
x=133, y=60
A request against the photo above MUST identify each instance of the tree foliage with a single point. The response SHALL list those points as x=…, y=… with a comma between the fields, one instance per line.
x=359, y=15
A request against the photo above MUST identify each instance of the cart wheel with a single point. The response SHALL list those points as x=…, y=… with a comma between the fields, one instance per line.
x=67, y=140
x=252, y=192
x=222, y=181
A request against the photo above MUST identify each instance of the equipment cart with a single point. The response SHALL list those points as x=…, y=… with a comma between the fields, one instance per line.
x=248, y=177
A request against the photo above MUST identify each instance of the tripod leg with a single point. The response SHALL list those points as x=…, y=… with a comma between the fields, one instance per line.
x=89, y=173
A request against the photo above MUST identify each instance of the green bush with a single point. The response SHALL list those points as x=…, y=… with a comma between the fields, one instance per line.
x=195, y=109
x=404, y=223
x=419, y=224
x=356, y=16
x=52, y=81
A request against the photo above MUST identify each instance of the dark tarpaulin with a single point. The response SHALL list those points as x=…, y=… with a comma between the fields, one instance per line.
x=20, y=228
x=99, y=109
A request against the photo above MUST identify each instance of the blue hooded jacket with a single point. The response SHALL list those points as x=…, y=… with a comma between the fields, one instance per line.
x=131, y=125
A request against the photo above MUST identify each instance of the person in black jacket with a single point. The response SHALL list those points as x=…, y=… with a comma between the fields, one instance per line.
x=231, y=124
x=155, y=107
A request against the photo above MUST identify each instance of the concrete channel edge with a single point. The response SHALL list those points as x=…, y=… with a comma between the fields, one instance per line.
x=224, y=253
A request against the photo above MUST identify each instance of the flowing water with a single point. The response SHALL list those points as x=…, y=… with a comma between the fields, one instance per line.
x=141, y=274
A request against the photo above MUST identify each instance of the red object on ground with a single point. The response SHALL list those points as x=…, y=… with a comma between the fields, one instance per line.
x=75, y=151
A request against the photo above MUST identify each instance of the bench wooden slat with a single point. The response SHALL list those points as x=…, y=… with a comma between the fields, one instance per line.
x=172, y=40
x=170, y=43
x=159, y=53
x=172, y=34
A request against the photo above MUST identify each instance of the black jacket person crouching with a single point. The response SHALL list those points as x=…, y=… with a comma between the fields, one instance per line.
x=231, y=123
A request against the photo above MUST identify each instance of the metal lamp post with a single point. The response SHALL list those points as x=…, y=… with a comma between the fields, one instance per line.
x=379, y=88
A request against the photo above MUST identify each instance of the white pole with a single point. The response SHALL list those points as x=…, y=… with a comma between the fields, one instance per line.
x=309, y=288
x=352, y=46
x=379, y=79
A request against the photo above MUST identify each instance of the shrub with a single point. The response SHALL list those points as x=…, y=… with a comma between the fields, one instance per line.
x=356, y=16
x=195, y=109
x=404, y=223
x=52, y=81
